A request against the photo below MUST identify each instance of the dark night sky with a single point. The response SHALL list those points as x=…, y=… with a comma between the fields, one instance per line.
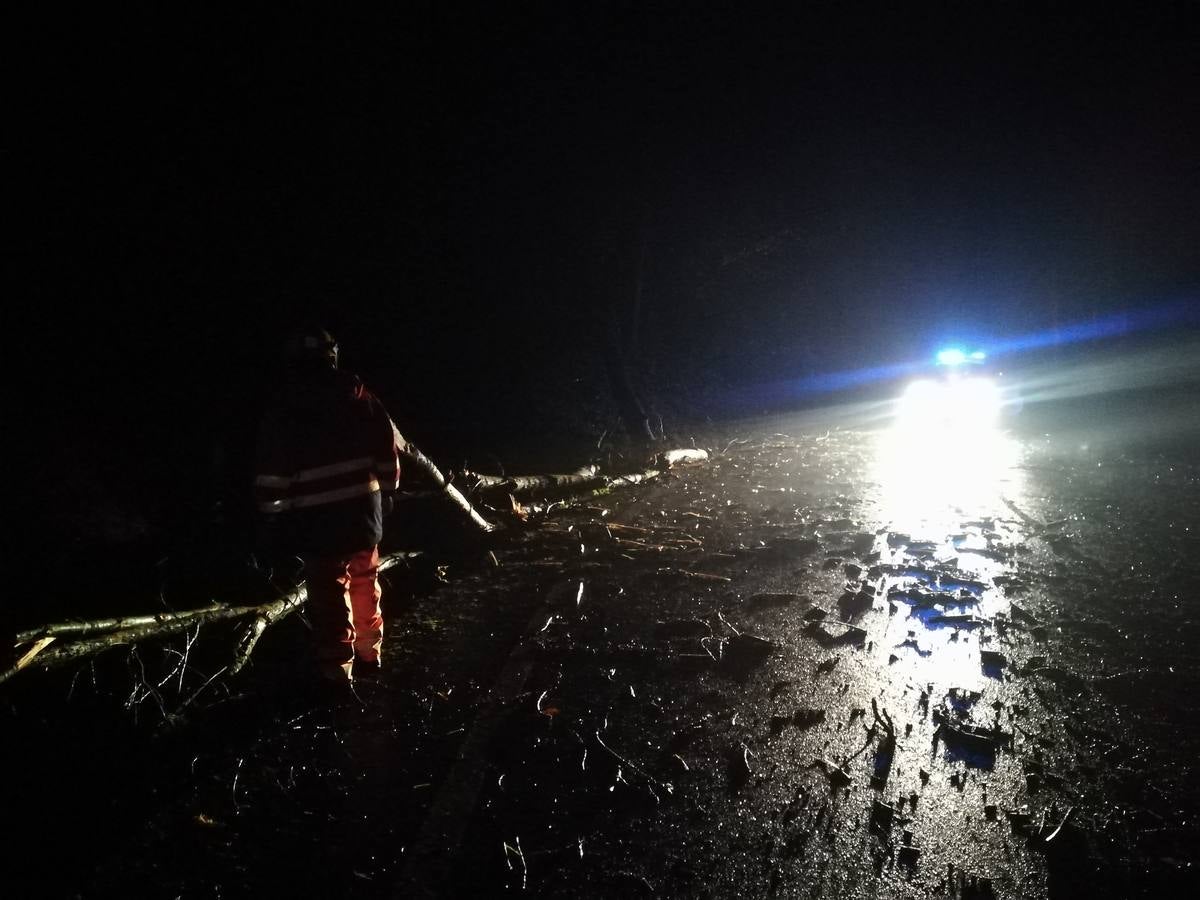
x=464, y=194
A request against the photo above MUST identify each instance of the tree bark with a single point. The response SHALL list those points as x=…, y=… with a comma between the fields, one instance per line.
x=96, y=626
x=494, y=487
x=67, y=652
x=538, y=485
x=453, y=494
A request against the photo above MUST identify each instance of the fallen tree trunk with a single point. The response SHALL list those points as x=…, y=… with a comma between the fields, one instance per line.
x=266, y=616
x=433, y=473
x=500, y=487
x=682, y=457
x=585, y=479
x=96, y=626
x=67, y=652
x=494, y=487
x=129, y=630
x=633, y=478
x=104, y=634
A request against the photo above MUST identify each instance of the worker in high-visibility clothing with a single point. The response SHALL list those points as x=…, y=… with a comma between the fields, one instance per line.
x=328, y=464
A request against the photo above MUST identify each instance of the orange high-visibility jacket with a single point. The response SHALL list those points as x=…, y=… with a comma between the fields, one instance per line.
x=327, y=452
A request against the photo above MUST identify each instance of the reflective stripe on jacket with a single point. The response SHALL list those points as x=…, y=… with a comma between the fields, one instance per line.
x=327, y=449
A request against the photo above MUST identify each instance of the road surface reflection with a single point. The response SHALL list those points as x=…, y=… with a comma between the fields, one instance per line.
x=941, y=503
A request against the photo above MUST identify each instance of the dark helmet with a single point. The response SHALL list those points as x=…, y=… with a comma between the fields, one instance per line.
x=311, y=346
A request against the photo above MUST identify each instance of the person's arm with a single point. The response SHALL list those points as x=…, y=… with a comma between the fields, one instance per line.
x=389, y=446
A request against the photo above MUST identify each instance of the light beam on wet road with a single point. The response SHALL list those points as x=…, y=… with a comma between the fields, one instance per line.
x=944, y=472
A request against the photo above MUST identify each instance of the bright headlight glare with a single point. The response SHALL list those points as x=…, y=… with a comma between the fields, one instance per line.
x=976, y=395
x=920, y=397
x=969, y=402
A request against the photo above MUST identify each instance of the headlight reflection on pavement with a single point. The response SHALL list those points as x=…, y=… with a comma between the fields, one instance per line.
x=942, y=473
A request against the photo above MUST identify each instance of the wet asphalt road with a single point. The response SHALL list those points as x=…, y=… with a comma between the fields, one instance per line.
x=980, y=680
x=838, y=660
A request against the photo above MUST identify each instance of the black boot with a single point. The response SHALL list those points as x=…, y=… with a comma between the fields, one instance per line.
x=368, y=670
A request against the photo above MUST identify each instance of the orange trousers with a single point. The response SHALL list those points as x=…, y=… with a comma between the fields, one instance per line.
x=343, y=606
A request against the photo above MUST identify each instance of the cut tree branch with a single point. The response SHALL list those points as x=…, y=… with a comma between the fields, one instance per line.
x=97, y=626
x=433, y=473
x=130, y=630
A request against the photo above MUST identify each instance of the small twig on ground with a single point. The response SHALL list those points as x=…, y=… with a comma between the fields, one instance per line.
x=695, y=576
x=181, y=668
x=728, y=624
x=196, y=693
x=237, y=774
x=619, y=758
x=1024, y=516
x=141, y=687
x=1052, y=835
x=516, y=851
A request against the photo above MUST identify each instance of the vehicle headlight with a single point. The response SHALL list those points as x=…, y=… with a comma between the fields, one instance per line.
x=970, y=402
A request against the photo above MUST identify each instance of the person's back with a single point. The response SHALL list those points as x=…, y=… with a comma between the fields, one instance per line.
x=322, y=460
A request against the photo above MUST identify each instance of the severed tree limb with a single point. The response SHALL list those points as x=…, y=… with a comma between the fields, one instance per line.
x=106, y=634
x=534, y=482
x=422, y=462
x=67, y=652
x=265, y=616
x=685, y=456
x=97, y=626
x=633, y=478
x=130, y=630
x=38, y=646
x=499, y=487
